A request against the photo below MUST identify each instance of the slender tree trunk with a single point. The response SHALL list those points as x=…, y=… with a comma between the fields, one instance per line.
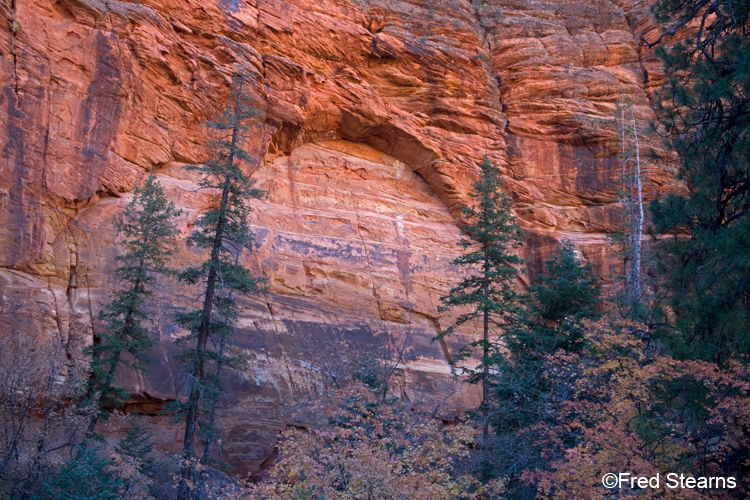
x=486, y=348
x=191, y=418
x=639, y=226
x=624, y=205
x=124, y=334
x=214, y=404
x=486, y=333
x=217, y=374
x=633, y=228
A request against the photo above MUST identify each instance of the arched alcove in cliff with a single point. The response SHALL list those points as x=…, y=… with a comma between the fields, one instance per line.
x=357, y=250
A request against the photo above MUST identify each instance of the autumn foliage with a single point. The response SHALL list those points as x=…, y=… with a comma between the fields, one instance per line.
x=632, y=408
x=373, y=449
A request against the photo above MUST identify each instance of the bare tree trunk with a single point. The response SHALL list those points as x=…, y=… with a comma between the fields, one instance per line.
x=639, y=226
x=624, y=205
x=633, y=208
x=633, y=229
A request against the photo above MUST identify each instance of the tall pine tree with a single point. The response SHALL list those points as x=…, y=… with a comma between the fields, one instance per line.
x=491, y=235
x=566, y=293
x=705, y=233
x=147, y=226
x=223, y=231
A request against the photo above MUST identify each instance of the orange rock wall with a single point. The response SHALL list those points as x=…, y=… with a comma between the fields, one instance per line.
x=373, y=115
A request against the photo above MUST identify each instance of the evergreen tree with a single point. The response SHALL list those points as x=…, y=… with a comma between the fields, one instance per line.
x=137, y=467
x=136, y=445
x=705, y=233
x=147, y=225
x=566, y=293
x=86, y=476
x=491, y=234
x=224, y=231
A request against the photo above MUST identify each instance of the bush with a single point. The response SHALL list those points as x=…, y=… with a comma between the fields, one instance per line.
x=86, y=476
x=37, y=417
x=373, y=449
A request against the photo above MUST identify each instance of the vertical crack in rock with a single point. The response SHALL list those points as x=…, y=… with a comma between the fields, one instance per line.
x=95, y=121
x=403, y=257
x=90, y=307
x=369, y=264
x=258, y=21
x=101, y=113
x=72, y=286
x=281, y=346
x=167, y=359
x=441, y=340
x=484, y=34
x=482, y=27
x=45, y=145
x=638, y=39
x=293, y=195
x=56, y=305
x=14, y=27
x=309, y=281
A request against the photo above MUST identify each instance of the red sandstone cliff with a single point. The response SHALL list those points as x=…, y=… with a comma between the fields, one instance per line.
x=373, y=115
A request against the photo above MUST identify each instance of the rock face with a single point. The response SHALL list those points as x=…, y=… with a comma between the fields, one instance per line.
x=373, y=115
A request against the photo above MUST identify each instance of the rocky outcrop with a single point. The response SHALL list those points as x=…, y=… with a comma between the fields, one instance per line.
x=372, y=117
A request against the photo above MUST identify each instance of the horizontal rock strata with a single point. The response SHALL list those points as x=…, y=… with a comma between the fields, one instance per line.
x=373, y=115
